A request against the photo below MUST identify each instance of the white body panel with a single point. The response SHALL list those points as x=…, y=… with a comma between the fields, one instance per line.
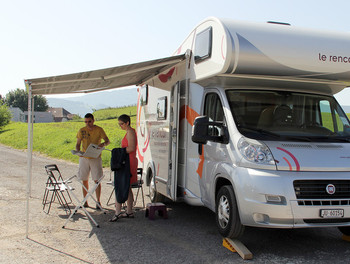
x=249, y=57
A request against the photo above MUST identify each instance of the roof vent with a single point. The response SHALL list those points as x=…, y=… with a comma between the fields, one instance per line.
x=278, y=23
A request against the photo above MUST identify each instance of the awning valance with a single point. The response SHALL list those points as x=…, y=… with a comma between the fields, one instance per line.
x=103, y=79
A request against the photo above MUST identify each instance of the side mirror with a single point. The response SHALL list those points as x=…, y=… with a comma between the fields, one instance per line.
x=204, y=130
x=200, y=130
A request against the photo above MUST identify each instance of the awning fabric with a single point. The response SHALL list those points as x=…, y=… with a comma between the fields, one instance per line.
x=103, y=79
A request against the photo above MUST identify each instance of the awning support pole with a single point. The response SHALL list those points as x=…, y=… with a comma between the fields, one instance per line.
x=29, y=151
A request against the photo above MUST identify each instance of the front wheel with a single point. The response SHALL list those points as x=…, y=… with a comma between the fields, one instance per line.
x=227, y=215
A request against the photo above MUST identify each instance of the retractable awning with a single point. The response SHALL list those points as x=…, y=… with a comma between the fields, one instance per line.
x=85, y=82
x=103, y=79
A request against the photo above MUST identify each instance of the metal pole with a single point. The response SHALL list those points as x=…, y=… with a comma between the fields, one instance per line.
x=29, y=151
x=31, y=141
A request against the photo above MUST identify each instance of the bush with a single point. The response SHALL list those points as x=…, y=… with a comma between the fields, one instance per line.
x=5, y=115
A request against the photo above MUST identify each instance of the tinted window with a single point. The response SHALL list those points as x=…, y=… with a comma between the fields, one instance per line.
x=162, y=108
x=213, y=109
x=203, y=45
x=144, y=94
x=277, y=115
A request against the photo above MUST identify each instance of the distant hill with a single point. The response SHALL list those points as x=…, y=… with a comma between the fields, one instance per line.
x=86, y=103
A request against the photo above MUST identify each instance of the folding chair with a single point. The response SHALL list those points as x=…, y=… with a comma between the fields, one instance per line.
x=80, y=203
x=54, y=185
x=137, y=185
x=110, y=182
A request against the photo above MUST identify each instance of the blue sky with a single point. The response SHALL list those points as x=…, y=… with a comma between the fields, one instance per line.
x=46, y=37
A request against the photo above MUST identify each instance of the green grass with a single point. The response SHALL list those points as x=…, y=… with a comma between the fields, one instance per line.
x=58, y=139
x=328, y=123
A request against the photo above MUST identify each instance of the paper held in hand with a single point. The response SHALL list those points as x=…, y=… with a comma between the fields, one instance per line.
x=93, y=151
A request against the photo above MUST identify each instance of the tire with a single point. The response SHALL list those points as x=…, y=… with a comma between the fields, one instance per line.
x=227, y=215
x=154, y=196
x=345, y=230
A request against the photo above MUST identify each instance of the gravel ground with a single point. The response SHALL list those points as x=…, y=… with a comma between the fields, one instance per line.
x=137, y=240
x=188, y=236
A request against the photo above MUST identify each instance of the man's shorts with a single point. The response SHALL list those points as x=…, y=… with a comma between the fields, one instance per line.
x=90, y=165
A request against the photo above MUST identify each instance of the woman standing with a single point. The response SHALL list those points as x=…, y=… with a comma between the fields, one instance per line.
x=129, y=142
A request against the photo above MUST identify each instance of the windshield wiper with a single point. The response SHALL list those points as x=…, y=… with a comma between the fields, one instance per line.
x=297, y=138
x=283, y=137
x=341, y=139
x=262, y=131
x=329, y=139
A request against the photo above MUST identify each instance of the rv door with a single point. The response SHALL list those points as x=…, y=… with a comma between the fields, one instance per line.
x=174, y=139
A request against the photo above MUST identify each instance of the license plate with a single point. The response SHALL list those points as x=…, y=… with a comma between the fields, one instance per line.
x=331, y=213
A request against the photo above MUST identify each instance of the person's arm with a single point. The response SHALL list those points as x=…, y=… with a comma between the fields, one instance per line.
x=77, y=146
x=130, y=136
x=106, y=143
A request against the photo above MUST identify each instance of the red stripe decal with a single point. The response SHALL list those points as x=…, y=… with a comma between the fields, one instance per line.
x=290, y=165
x=165, y=77
x=292, y=156
x=222, y=44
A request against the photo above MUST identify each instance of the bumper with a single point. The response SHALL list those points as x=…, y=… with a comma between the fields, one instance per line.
x=268, y=199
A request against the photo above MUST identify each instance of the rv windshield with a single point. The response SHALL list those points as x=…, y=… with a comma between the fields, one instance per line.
x=290, y=116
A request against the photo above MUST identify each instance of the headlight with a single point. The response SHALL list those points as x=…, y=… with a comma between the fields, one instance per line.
x=255, y=151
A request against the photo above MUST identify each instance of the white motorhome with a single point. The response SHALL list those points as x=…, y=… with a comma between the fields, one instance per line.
x=247, y=126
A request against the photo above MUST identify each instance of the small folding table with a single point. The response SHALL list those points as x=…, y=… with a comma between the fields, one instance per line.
x=80, y=203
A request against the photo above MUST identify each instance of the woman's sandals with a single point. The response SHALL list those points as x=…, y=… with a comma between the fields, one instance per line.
x=121, y=215
x=116, y=217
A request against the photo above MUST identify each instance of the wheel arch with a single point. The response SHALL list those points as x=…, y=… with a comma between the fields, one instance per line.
x=150, y=171
x=221, y=181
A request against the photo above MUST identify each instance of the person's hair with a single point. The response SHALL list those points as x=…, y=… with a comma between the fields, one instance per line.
x=89, y=115
x=124, y=118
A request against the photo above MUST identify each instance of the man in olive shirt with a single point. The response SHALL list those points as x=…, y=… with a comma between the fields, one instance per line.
x=90, y=134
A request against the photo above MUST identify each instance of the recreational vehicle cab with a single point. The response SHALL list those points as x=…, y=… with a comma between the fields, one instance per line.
x=247, y=126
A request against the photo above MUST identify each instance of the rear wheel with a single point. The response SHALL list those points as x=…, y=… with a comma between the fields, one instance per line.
x=153, y=194
x=227, y=215
x=345, y=230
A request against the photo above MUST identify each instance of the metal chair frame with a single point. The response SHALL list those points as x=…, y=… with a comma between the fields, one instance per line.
x=56, y=187
x=137, y=185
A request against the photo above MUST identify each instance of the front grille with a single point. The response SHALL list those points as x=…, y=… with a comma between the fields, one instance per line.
x=323, y=202
x=316, y=189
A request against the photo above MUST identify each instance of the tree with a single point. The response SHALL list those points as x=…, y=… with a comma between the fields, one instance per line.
x=5, y=115
x=19, y=98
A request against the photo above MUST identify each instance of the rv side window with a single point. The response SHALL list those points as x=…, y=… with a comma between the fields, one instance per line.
x=144, y=95
x=203, y=45
x=213, y=109
x=331, y=119
x=162, y=108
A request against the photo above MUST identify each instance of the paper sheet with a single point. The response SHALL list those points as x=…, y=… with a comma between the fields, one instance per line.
x=93, y=151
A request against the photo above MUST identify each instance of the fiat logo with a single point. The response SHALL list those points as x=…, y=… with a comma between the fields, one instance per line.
x=330, y=189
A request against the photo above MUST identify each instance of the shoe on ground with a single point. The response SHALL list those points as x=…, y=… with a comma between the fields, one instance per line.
x=98, y=206
x=126, y=215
